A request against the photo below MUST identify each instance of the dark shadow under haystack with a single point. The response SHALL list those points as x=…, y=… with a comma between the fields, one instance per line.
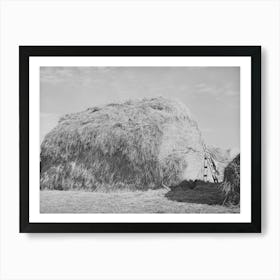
x=185, y=184
x=197, y=192
x=132, y=145
x=231, y=183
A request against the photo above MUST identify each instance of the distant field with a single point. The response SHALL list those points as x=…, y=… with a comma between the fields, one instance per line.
x=152, y=201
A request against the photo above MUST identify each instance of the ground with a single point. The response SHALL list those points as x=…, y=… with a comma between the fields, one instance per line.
x=151, y=201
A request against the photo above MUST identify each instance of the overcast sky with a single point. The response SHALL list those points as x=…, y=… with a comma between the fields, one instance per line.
x=211, y=93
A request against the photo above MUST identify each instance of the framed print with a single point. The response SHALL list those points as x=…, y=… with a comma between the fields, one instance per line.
x=140, y=138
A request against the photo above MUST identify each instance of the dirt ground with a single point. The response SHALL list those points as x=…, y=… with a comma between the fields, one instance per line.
x=152, y=201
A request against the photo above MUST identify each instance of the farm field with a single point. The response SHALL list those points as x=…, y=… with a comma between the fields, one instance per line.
x=151, y=201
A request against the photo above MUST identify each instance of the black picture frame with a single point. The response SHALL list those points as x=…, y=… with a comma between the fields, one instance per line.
x=25, y=52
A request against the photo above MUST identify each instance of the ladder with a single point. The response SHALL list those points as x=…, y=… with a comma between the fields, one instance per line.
x=210, y=165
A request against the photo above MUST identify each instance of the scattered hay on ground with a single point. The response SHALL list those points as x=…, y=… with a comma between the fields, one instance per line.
x=151, y=201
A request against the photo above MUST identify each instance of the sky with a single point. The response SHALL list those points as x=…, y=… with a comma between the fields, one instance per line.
x=212, y=94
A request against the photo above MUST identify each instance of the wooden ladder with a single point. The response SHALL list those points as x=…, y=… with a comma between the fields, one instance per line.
x=208, y=164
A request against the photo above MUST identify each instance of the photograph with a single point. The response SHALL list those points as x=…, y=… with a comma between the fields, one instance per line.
x=139, y=139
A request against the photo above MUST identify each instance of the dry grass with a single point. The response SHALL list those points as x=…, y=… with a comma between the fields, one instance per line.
x=151, y=201
x=231, y=183
x=133, y=145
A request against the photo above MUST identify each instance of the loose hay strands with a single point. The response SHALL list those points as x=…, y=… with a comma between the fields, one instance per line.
x=120, y=146
x=231, y=183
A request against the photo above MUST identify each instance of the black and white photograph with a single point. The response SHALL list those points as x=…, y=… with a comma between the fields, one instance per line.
x=140, y=139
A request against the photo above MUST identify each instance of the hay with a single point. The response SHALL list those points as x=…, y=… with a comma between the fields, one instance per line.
x=134, y=145
x=231, y=183
x=222, y=158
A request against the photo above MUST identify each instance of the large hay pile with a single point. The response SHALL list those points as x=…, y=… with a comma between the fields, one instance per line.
x=231, y=183
x=135, y=145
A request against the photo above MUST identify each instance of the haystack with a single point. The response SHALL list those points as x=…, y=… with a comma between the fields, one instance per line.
x=231, y=183
x=132, y=145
